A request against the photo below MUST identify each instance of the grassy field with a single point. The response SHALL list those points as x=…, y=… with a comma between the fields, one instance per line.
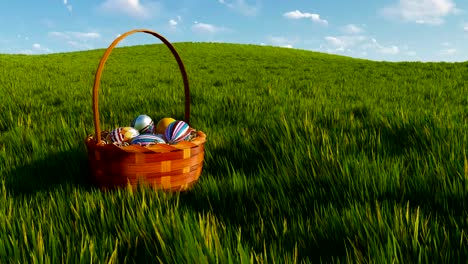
x=309, y=158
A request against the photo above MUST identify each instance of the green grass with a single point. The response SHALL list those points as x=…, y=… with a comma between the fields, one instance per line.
x=309, y=158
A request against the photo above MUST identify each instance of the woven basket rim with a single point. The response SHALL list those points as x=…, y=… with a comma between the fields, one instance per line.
x=200, y=139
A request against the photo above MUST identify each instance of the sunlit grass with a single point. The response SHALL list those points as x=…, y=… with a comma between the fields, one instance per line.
x=309, y=157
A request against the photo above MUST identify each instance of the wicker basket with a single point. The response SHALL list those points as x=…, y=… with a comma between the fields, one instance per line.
x=168, y=167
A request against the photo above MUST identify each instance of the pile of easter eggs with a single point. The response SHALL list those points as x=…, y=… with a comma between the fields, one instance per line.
x=143, y=132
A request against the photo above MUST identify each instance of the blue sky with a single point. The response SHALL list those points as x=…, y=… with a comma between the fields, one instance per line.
x=390, y=30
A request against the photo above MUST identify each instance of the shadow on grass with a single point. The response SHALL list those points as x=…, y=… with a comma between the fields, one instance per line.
x=259, y=213
x=240, y=155
x=265, y=198
x=312, y=218
x=56, y=170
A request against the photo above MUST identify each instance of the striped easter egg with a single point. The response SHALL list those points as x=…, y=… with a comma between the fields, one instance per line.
x=177, y=131
x=144, y=124
x=122, y=134
x=147, y=139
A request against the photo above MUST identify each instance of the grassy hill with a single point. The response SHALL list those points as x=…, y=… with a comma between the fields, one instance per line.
x=309, y=157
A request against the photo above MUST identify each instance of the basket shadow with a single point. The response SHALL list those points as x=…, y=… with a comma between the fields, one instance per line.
x=238, y=208
x=245, y=156
x=54, y=171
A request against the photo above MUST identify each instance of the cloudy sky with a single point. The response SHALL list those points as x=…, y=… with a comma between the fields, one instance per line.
x=391, y=30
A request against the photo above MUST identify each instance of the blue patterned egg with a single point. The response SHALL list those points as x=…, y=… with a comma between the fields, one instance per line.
x=177, y=131
x=147, y=139
x=144, y=124
x=122, y=134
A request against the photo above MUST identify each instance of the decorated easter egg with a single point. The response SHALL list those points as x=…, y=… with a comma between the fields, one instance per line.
x=163, y=124
x=177, y=131
x=122, y=134
x=144, y=124
x=147, y=139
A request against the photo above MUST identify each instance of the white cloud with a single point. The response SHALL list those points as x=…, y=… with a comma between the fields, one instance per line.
x=299, y=15
x=174, y=22
x=465, y=28
x=79, y=45
x=80, y=40
x=242, y=7
x=446, y=44
x=69, y=7
x=282, y=41
x=334, y=41
x=388, y=50
x=91, y=35
x=278, y=40
x=342, y=43
x=37, y=48
x=448, y=52
x=75, y=35
x=132, y=8
x=203, y=28
x=352, y=29
x=430, y=12
x=26, y=51
x=350, y=43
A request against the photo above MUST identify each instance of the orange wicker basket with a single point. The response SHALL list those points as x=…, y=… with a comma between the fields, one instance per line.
x=168, y=167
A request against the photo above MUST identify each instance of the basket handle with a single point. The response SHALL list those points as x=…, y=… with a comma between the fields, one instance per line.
x=97, y=78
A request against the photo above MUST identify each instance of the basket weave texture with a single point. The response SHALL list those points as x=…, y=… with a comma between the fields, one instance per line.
x=169, y=167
